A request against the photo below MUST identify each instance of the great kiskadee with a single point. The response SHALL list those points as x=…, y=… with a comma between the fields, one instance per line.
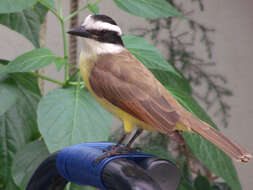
x=127, y=89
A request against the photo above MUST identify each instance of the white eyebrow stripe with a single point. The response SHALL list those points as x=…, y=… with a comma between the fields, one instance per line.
x=106, y=26
x=89, y=23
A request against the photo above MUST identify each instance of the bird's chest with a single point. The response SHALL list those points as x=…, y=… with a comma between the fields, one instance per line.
x=86, y=66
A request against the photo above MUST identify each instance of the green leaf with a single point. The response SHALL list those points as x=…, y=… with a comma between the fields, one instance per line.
x=4, y=62
x=69, y=116
x=7, y=99
x=26, y=161
x=48, y=3
x=211, y=156
x=18, y=124
x=148, y=54
x=10, y=6
x=185, y=185
x=171, y=80
x=59, y=63
x=26, y=22
x=201, y=183
x=32, y=60
x=11, y=185
x=93, y=8
x=151, y=9
x=27, y=83
x=152, y=59
x=214, y=159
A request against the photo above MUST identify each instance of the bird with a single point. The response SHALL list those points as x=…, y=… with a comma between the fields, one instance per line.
x=129, y=90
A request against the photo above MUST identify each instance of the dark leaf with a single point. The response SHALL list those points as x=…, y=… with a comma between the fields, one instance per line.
x=26, y=161
x=201, y=183
x=185, y=185
x=220, y=186
x=18, y=124
x=7, y=99
x=4, y=62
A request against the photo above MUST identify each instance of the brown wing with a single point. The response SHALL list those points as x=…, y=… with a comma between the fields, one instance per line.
x=128, y=84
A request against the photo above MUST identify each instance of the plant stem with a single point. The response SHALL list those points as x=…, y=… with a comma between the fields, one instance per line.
x=47, y=78
x=64, y=37
x=41, y=71
x=78, y=82
x=65, y=50
x=75, y=13
x=74, y=67
x=71, y=78
x=80, y=10
x=74, y=4
x=60, y=8
x=55, y=13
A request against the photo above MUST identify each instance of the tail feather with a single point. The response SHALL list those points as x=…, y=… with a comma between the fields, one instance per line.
x=233, y=150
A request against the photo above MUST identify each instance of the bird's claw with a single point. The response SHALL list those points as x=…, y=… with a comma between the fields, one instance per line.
x=111, y=151
x=114, y=151
x=129, y=149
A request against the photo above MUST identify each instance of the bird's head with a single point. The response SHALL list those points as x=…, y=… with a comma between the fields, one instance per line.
x=100, y=33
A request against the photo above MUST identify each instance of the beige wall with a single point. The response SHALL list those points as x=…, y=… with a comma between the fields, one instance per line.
x=233, y=21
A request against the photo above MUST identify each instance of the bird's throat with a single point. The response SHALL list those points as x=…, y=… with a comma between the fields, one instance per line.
x=87, y=61
x=95, y=47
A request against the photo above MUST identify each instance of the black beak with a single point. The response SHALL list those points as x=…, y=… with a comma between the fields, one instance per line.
x=80, y=31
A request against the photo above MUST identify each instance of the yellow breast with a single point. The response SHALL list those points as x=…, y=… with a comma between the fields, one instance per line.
x=86, y=65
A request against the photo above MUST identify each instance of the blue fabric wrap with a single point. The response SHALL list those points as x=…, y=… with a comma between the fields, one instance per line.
x=75, y=163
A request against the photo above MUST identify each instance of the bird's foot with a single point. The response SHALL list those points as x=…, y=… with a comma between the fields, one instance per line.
x=129, y=149
x=112, y=151
x=123, y=150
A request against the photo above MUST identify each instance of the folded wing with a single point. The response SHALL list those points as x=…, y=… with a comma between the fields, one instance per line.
x=126, y=83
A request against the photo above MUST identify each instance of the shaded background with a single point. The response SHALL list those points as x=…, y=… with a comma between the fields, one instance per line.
x=233, y=51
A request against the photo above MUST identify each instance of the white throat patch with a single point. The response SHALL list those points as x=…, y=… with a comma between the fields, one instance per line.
x=93, y=47
x=91, y=24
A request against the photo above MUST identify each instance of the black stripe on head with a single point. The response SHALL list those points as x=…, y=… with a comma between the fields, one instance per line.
x=104, y=18
x=106, y=36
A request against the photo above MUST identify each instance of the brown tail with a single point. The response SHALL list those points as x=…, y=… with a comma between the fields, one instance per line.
x=233, y=150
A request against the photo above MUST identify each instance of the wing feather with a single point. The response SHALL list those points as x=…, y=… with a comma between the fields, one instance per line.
x=126, y=83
